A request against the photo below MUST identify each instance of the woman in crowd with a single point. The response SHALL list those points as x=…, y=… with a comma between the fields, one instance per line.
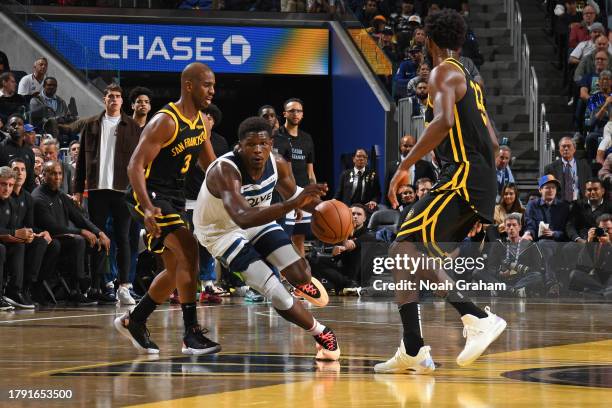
x=508, y=203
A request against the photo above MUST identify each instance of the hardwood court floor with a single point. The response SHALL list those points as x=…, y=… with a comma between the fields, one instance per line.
x=552, y=354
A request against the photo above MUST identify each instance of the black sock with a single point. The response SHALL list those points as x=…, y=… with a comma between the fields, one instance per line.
x=190, y=317
x=464, y=305
x=411, y=320
x=143, y=309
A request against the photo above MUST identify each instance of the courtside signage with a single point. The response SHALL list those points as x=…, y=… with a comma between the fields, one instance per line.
x=168, y=48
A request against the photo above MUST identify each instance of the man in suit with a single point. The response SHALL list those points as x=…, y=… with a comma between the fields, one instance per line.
x=360, y=184
x=572, y=173
x=421, y=169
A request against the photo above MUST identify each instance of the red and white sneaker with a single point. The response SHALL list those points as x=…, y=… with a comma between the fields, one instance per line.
x=208, y=296
x=327, y=346
x=314, y=292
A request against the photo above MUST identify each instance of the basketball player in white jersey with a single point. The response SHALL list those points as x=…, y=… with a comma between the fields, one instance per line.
x=234, y=220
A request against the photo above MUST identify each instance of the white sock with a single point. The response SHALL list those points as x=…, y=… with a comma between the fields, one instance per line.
x=316, y=329
x=206, y=283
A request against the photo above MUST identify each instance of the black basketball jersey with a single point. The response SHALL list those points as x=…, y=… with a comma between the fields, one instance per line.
x=466, y=154
x=166, y=173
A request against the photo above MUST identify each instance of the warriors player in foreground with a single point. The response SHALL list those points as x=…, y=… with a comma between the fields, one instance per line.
x=460, y=132
x=175, y=139
x=235, y=221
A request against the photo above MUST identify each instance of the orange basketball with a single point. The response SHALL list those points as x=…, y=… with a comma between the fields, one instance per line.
x=332, y=221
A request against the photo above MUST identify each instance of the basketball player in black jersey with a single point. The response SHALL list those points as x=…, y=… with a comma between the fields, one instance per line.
x=460, y=132
x=175, y=139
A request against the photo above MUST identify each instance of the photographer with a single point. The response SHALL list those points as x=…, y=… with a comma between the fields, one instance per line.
x=518, y=263
x=594, y=267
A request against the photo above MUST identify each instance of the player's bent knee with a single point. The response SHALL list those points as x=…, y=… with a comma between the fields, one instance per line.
x=261, y=278
x=298, y=273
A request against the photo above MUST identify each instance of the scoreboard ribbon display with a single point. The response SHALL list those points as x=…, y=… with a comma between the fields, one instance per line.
x=168, y=48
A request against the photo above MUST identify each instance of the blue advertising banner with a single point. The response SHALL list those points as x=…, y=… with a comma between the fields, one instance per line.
x=168, y=48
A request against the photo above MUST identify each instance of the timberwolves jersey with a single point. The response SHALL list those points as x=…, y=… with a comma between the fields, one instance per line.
x=210, y=218
x=166, y=173
x=466, y=154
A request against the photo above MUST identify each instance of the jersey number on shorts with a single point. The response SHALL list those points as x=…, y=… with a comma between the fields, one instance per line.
x=186, y=166
x=479, y=101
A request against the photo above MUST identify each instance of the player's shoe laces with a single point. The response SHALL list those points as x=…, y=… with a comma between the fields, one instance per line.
x=137, y=333
x=479, y=333
x=327, y=345
x=314, y=292
x=194, y=342
x=404, y=363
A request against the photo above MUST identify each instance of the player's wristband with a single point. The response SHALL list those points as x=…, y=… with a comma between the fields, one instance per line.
x=298, y=190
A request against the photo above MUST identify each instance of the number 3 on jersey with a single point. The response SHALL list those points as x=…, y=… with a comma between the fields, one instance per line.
x=187, y=162
x=479, y=101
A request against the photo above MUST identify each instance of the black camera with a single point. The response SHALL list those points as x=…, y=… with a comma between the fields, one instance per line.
x=600, y=232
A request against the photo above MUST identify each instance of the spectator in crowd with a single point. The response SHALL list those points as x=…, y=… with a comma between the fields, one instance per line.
x=13, y=240
x=269, y=113
x=507, y=203
x=140, y=98
x=38, y=170
x=302, y=163
x=423, y=186
x=10, y=101
x=400, y=20
x=43, y=250
x=517, y=262
x=55, y=212
x=367, y=12
x=15, y=146
x=419, y=37
x=387, y=44
x=593, y=270
x=572, y=173
x=359, y=185
x=598, y=110
x=32, y=84
x=472, y=69
x=408, y=70
x=587, y=63
x=419, y=100
x=406, y=196
x=49, y=110
x=584, y=212
x=502, y=167
x=547, y=216
x=421, y=169
x=29, y=135
x=580, y=31
x=471, y=50
x=423, y=75
x=590, y=82
x=345, y=269
x=73, y=151
x=108, y=141
x=293, y=6
x=50, y=151
x=377, y=26
x=588, y=46
x=4, y=63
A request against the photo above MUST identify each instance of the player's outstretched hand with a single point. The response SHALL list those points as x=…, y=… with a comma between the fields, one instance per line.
x=150, y=222
x=310, y=194
x=399, y=179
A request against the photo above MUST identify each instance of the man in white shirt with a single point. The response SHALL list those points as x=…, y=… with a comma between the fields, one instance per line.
x=32, y=84
x=587, y=47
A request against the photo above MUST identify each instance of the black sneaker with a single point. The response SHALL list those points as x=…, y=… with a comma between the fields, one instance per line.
x=79, y=299
x=5, y=306
x=137, y=333
x=17, y=299
x=102, y=298
x=194, y=342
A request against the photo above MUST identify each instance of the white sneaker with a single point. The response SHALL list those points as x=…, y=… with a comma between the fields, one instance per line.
x=401, y=362
x=479, y=333
x=241, y=291
x=123, y=294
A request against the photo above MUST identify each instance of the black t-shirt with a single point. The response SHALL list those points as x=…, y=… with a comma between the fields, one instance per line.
x=195, y=177
x=302, y=153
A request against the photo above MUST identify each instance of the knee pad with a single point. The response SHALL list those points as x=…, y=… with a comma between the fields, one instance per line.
x=261, y=278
